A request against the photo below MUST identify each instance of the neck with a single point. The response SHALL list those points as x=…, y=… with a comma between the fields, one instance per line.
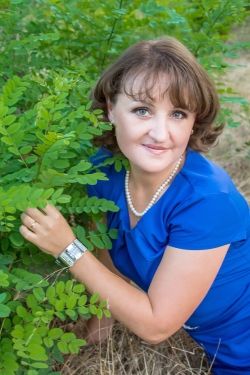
x=165, y=183
x=149, y=182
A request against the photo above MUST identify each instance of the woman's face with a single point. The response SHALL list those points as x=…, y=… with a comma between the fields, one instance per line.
x=151, y=134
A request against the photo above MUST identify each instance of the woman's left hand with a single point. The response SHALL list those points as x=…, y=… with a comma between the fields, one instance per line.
x=46, y=229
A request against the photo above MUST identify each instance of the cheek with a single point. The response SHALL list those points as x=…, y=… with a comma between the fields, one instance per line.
x=126, y=127
x=180, y=137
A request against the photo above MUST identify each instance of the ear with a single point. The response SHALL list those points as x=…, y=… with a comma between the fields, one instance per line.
x=110, y=111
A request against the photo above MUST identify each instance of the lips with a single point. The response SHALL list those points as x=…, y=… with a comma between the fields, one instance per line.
x=153, y=149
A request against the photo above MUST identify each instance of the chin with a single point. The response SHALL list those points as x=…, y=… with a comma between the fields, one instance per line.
x=152, y=168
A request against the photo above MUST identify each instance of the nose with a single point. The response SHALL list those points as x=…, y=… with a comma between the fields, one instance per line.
x=159, y=130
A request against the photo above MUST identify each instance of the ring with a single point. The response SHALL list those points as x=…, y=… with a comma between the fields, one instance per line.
x=33, y=224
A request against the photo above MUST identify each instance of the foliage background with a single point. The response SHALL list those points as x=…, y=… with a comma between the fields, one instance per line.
x=51, y=54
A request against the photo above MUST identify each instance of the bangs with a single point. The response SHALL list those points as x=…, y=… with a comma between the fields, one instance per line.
x=149, y=84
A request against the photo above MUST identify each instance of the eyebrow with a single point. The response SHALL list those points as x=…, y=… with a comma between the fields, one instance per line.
x=145, y=101
x=152, y=104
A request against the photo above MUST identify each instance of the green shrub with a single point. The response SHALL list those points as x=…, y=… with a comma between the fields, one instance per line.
x=44, y=156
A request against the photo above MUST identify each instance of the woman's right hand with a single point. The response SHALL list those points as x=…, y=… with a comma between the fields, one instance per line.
x=98, y=330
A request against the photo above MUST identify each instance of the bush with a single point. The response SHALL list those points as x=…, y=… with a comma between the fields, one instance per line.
x=51, y=53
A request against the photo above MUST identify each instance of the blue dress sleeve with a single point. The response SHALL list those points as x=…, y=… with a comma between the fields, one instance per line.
x=209, y=222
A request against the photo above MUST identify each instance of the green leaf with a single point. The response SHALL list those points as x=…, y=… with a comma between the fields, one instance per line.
x=83, y=310
x=3, y=297
x=16, y=239
x=50, y=293
x=21, y=311
x=4, y=311
x=31, y=159
x=38, y=365
x=99, y=313
x=4, y=279
x=9, y=119
x=57, y=194
x=60, y=287
x=25, y=149
x=113, y=233
x=60, y=315
x=102, y=228
x=69, y=286
x=64, y=199
x=68, y=337
x=39, y=294
x=75, y=345
x=32, y=372
x=71, y=301
x=72, y=314
x=107, y=242
x=48, y=342
x=96, y=240
x=93, y=309
x=55, y=333
x=82, y=300
x=63, y=347
x=59, y=305
x=42, y=331
x=94, y=298
x=107, y=313
x=37, y=352
x=25, y=280
x=78, y=288
x=18, y=332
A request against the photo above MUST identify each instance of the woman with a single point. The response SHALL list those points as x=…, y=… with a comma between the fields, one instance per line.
x=183, y=228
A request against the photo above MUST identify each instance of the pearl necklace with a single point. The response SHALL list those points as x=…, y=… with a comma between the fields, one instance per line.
x=156, y=194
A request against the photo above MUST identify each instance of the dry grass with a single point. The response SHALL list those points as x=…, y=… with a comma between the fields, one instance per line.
x=124, y=353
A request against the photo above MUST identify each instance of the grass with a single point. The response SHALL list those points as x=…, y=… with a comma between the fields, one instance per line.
x=125, y=354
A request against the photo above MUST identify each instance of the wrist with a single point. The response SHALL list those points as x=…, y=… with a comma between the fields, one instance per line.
x=58, y=252
x=72, y=253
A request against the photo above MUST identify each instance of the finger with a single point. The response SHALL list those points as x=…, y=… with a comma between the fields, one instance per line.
x=36, y=214
x=26, y=219
x=51, y=210
x=30, y=223
x=27, y=234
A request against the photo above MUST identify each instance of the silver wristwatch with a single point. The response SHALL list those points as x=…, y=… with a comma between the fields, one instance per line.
x=72, y=253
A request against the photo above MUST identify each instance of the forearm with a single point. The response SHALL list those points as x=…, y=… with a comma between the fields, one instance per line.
x=105, y=258
x=127, y=304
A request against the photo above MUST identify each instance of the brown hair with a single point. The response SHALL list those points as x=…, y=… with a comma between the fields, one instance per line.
x=189, y=86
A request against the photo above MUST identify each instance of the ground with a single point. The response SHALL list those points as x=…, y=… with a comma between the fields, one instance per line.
x=124, y=353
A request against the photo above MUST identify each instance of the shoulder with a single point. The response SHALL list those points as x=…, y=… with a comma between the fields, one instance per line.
x=203, y=180
x=209, y=210
x=207, y=183
x=204, y=176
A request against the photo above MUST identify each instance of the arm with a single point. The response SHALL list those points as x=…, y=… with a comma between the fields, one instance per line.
x=106, y=260
x=179, y=285
x=99, y=330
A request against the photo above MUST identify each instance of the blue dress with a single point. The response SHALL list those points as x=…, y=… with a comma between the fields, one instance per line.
x=201, y=209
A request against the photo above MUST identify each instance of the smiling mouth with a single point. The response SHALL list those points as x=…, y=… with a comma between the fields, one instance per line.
x=155, y=149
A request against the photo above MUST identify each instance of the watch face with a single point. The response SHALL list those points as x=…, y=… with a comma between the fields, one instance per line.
x=72, y=253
